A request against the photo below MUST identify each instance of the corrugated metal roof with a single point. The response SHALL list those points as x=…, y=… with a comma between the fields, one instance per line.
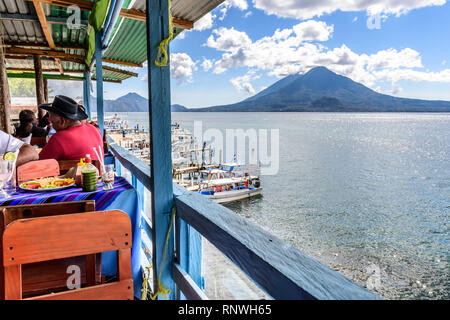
x=129, y=43
x=20, y=30
x=112, y=75
x=192, y=10
x=20, y=25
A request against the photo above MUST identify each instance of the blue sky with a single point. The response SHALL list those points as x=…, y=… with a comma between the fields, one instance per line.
x=397, y=47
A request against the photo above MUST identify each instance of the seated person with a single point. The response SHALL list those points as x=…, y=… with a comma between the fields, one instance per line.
x=10, y=144
x=73, y=139
x=45, y=123
x=28, y=126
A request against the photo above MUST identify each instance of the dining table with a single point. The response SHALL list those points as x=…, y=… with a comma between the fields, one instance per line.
x=121, y=197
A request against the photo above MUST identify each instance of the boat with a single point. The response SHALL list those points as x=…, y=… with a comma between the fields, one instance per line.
x=227, y=183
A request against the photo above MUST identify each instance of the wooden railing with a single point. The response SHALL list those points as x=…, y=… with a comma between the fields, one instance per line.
x=281, y=270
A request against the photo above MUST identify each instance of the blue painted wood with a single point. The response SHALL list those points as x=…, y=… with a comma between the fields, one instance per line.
x=118, y=167
x=187, y=285
x=99, y=80
x=195, y=257
x=278, y=268
x=87, y=93
x=160, y=149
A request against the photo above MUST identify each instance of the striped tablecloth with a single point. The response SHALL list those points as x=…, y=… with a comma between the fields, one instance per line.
x=102, y=197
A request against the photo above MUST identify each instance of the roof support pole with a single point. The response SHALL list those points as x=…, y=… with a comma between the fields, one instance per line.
x=87, y=93
x=40, y=93
x=5, y=102
x=46, y=90
x=99, y=80
x=160, y=148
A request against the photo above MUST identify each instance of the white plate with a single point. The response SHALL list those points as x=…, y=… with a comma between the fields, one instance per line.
x=45, y=190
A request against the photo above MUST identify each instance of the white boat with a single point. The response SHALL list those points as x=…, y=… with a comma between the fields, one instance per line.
x=224, y=190
x=226, y=185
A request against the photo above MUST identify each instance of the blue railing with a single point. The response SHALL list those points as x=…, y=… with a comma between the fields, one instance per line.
x=281, y=270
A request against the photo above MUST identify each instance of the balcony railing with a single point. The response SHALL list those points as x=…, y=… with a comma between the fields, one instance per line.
x=281, y=270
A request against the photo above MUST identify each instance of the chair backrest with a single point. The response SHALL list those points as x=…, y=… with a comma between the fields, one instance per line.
x=63, y=236
x=43, y=277
x=39, y=141
x=66, y=165
x=37, y=169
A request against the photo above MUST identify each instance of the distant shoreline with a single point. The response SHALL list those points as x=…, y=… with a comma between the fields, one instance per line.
x=289, y=111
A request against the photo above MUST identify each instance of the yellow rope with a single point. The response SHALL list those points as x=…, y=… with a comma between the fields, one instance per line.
x=145, y=283
x=162, y=51
x=161, y=288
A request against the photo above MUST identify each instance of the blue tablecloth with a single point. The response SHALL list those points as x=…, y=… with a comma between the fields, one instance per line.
x=122, y=197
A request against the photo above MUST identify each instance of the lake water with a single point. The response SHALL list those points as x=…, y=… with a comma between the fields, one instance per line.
x=366, y=194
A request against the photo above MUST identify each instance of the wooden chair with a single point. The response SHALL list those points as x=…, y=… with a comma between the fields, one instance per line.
x=39, y=141
x=37, y=169
x=66, y=165
x=61, y=236
x=35, y=279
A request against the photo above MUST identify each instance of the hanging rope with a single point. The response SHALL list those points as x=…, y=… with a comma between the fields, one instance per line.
x=162, y=50
x=162, y=289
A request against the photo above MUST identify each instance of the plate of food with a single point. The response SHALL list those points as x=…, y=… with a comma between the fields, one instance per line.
x=47, y=184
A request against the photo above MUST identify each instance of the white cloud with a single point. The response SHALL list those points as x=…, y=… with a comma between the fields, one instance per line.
x=243, y=83
x=227, y=4
x=240, y=4
x=297, y=50
x=317, y=8
x=207, y=64
x=313, y=30
x=249, y=13
x=181, y=67
x=205, y=23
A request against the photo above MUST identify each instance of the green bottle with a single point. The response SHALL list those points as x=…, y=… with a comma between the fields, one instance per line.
x=89, y=175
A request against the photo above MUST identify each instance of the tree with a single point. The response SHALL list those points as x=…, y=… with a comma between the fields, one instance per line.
x=22, y=87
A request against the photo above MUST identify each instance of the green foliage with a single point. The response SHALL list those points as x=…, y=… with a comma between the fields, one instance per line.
x=22, y=87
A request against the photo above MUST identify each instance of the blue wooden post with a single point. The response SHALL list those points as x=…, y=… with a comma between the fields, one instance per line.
x=87, y=93
x=160, y=149
x=99, y=79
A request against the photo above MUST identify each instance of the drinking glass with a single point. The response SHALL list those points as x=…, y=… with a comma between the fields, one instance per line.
x=6, y=171
x=108, y=177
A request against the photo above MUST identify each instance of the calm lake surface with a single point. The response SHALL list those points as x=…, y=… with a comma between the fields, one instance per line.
x=367, y=194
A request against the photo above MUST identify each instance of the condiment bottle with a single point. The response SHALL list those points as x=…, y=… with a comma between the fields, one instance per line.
x=89, y=175
x=78, y=179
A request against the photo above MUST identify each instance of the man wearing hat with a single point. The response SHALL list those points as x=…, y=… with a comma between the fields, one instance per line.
x=73, y=138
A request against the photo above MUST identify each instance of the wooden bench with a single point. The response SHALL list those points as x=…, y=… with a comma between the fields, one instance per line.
x=37, y=169
x=35, y=280
x=55, y=237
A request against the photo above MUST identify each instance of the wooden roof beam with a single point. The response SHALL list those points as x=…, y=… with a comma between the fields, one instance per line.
x=128, y=73
x=124, y=63
x=45, y=28
x=43, y=70
x=48, y=53
x=141, y=16
x=43, y=45
x=62, y=56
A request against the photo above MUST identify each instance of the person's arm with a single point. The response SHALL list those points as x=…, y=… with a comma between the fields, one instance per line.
x=27, y=153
